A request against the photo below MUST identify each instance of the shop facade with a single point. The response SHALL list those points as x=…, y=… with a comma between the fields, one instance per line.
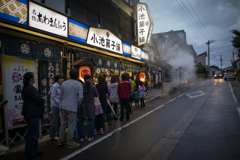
x=47, y=43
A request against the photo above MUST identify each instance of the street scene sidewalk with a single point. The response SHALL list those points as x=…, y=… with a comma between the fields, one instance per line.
x=45, y=142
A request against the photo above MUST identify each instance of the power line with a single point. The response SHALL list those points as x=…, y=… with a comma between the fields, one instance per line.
x=224, y=51
x=199, y=20
x=179, y=11
x=190, y=19
x=225, y=46
x=234, y=5
x=223, y=38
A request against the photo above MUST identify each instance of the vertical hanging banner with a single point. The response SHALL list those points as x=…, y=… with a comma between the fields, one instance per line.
x=144, y=24
x=14, y=69
x=47, y=72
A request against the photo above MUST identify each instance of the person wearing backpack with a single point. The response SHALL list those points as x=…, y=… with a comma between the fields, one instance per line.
x=114, y=98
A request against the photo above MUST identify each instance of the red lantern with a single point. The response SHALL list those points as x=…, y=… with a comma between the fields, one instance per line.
x=83, y=70
x=142, y=76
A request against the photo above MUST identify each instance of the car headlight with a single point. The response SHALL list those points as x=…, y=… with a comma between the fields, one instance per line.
x=220, y=75
x=215, y=75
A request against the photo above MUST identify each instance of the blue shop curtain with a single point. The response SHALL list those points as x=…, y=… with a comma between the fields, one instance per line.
x=81, y=54
x=37, y=50
x=47, y=52
x=11, y=45
x=56, y=54
x=25, y=49
x=47, y=72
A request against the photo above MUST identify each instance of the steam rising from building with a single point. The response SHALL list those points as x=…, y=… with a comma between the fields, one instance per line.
x=179, y=57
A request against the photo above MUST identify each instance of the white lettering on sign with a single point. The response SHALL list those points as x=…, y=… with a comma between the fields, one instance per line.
x=144, y=24
x=47, y=20
x=135, y=52
x=104, y=39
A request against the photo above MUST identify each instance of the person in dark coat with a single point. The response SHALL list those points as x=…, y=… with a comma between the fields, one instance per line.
x=102, y=91
x=87, y=108
x=124, y=93
x=137, y=80
x=33, y=109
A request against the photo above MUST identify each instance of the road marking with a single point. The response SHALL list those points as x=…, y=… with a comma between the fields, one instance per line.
x=195, y=94
x=120, y=128
x=235, y=99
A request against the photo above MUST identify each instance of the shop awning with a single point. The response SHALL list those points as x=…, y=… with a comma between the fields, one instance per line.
x=152, y=69
x=84, y=61
x=15, y=46
x=72, y=43
x=100, y=61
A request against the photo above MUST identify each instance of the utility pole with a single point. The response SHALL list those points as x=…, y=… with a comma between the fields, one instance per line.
x=233, y=56
x=208, y=43
x=221, y=61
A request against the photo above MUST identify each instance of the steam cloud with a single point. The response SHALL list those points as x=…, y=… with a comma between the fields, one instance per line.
x=182, y=64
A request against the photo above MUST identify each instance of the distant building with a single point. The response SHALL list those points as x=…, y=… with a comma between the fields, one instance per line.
x=213, y=69
x=178, y=57
x=201, y=58
x=236, y=64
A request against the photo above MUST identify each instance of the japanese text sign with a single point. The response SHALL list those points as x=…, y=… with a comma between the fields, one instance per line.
x=104, y=39
x=47, y=20
x=14, y=69
x=135, y=52
x=144, y=55
x=144, y=24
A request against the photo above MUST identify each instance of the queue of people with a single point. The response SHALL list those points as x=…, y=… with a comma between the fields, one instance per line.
x=74, y=101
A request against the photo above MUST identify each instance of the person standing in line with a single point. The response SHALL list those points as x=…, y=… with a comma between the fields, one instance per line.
x=141, y=91
x=71, y=95
x=114, y=98
x=102, y=92
x=33, y=109
x=137, y=80
x=87, y=108
x=132, y=90
x=55, y=104
x=98, y=114
x=130, y=103
x=124, y=92
x=136, y=98
x=108, y=111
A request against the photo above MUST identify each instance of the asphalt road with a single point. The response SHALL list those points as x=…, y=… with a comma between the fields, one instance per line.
x=202, y=125
x=196, y=122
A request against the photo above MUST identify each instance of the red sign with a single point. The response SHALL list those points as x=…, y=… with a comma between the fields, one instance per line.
x=83, y=71
x=142, y=76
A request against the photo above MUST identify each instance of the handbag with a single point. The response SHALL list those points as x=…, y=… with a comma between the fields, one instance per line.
x=98, y=110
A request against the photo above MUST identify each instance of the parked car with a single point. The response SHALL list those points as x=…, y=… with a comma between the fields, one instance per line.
x=229, y=74
x=218, y=74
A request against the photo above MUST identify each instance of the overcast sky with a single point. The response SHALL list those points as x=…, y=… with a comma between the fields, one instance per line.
x=202, y=20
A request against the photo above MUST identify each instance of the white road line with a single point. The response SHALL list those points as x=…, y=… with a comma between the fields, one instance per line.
x=235, y=99
x=120, y=128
